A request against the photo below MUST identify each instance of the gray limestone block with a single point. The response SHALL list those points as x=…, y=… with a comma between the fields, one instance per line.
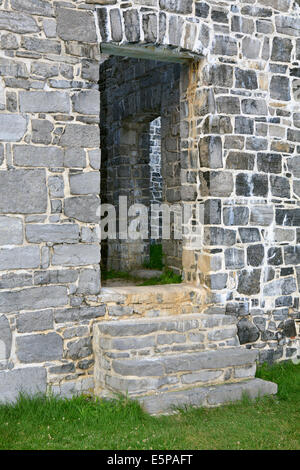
x=76, y=255
x=139, y=367
x=55, y=233
x=234, y=258
x=44, y=102
x=86, y=102
x=39, y=347
x=284, y=286
x=150, y=27
x=13, y=280
x=18, y=22
x=234, y=392
x=80, y=348
x=288, y=25
x=20, y=257
x=12, y=127
x=203, y=376
x=85, y=183
x=128, y=343
x=11, y=231
x=262, y=215
x=75, y=158
x=44, y=46
x=50, y=28
x=249, y=282
x=83, y=208
x=280, y=88
x=95, y=159
x=116, y=25
x=76, y=25
x=38, y=156
x=78, y=314
x=81, y=135
x=169, y=402
x=5, y=338
x=247, y=331
x=132, y=25
x=210, y=152
x=28, y=322
x=177, y=6
x=33, y=298
x=236, y=215
x=33, y=7
x=56, y=186
x=29, y=381
x=221, y=334
x=225, y=45
x=41, y=131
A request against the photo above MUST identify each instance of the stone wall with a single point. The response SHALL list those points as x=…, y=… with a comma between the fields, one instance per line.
x=240, y=137
x=156, y=181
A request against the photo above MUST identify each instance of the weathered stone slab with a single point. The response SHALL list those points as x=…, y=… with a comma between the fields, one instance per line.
x=85, y=183
x=30, y=380
x=76, y=25
x=33, y=298
x=23, y=192
x=20, y=258
x=12, y=127
x=55, y=233
x=29, y=322
x=44, y=102
x=11, y=231
x=18, y=22
x=5, y=338
x=76, y=255
x=33, y=7
x=35, y=156
x=80, y=135
x=39, y=347
x=83, y=208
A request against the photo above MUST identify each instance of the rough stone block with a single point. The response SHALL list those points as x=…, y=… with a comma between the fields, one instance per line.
x=83, y=208
x=55, y=233
x=80, y=135
x=20, y=257
x=33, y=298
x=76, y=25
x=39, y=347
x=5, y=338
x=76, y=255
x=12, y=127
x=11, y=231
x=44, y=102
x=85, y=183
x=36, y=156
x=28, y=322
x=30, y=380
x=18, y=22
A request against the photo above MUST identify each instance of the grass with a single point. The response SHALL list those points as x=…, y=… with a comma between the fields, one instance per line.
x=82, y=423
x=156, y=257
x=155, y=262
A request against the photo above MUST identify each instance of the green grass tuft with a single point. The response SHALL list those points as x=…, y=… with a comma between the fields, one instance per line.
x=87, y=423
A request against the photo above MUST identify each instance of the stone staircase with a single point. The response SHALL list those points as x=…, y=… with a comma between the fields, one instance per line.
x=173, y=361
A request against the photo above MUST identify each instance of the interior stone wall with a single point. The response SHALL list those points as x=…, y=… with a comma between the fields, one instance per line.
x=133, y=93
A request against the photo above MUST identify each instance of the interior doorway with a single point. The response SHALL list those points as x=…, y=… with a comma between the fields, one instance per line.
x=141, y=158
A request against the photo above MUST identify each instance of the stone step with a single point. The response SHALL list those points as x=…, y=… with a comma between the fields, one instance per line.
x=152, y=337
x=205, y=396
